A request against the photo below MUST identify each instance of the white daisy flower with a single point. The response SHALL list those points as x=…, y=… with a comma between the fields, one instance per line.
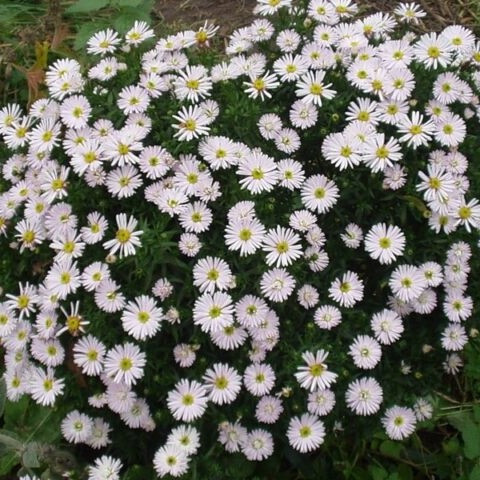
x=187, y=401
x=125, y=363
x=223, y=383
x=385, y=243
x=257, y=445
x=365, y=351
x=315, y=375
x=364, y=396
x=142, y=317
x=347, y=290
x=387, y=326
x=305, y=433
x=170, y=460
x=105, y=468
x=399, y=422
x=213, y=311
x=76, y=427
x=126, y=237
x=212, y=273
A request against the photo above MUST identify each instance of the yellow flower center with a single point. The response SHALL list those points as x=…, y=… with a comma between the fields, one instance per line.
x=123, y=235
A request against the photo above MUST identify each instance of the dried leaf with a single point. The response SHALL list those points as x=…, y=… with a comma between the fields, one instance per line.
x=62, y=32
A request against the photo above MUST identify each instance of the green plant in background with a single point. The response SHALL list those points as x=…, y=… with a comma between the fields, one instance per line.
x=223, y=259
x=34, y=31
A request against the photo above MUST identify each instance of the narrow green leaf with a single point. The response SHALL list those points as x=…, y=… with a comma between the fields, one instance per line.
x=126, y=3
x=86, y=6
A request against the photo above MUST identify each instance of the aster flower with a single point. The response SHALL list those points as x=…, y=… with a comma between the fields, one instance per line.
x=259, y=172
x=321, y=402
x=305, y=433
x=138, y=33
x=213, y=311
x=407, y=282
x=125, y=363
x=105, y=468
x=315, y=375
x=257, y=445
x=142, y=317
x=259, y=379
x=126, y=237
x=231, y=436
x=193, y=83
x=327, y=317
x=192, y=123
x=454, y=337
x=223, y=383
x=103, y=42
x=277, y=284
x=269, y=409
x=365, y=352
x=187, y=401
x=89, y=354
x=259, y=86
x=319, y=194
x=312, y=89
x=387, y=326
x=399, y=422
x=170, y=460
x=342, y=150
x=385, y=243
x=76, y=427
x=44, y=387
x=347, y=290
x=433, y=50
x=423, y=409
x=353, y=235
x=364, y=396
x=245, y=235
x=186, y=438
x=282, y=246
x=212, y=273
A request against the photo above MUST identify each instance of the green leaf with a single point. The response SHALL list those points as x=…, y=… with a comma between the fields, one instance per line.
x=126, y=3
x=86, y=6
x=476, y=413
x=475, y=473
x=10, y=440
x=8, y=462
x=405, y=472
x=471, y=437
x=451, y=447
x=123, y=22
x=15, y=413
x=394, y=476
x=377, y=473
x=390, y=448
x=127, y=17
x=464, y=422
x=85, y=32
x=30, y=456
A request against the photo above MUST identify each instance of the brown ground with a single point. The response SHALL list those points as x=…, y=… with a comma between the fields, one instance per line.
x=230, y=14
x=227, y=14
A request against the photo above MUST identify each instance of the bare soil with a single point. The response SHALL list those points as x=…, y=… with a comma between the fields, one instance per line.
x=227, y=14
x=231, y=14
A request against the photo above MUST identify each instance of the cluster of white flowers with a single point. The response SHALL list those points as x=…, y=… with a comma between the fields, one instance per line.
x=63, y=139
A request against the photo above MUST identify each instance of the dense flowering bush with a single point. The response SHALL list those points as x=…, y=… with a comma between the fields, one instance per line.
x=263, y=248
